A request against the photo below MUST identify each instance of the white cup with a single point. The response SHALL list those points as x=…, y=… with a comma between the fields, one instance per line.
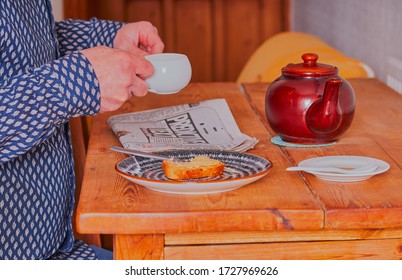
x=172, y=72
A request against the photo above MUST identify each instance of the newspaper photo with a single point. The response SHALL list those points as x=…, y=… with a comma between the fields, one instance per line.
x=204, y=125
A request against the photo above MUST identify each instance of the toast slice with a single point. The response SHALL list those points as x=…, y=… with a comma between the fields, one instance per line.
x=197, y=167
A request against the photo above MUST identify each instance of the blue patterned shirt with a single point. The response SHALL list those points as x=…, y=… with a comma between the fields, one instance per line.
x=44, y=81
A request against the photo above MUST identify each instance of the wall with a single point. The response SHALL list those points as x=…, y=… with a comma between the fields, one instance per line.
x=57, y=6
x=369, y=30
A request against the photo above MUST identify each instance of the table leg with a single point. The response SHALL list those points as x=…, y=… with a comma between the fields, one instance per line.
x=138, y=246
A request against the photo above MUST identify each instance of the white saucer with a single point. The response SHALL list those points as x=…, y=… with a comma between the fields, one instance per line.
x=344, y=162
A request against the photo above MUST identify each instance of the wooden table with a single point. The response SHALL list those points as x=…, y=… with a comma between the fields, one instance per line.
x=285, y=215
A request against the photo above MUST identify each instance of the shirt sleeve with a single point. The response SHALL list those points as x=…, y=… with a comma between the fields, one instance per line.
x=33, y=104
x=75, y=34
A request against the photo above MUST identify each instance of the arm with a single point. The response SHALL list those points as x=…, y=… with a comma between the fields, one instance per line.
x=32, y=104
x=79, y=34
x=138, y=38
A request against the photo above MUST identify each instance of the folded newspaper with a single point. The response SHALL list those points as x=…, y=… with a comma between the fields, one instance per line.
x=204, y=125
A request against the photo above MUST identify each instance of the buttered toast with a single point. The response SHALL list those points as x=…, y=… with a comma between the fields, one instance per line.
x=196, y=167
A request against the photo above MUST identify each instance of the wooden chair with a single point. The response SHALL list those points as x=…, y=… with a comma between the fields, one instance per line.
x=79, y=143
x=266, y=62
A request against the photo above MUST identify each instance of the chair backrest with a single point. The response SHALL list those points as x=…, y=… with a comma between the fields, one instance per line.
x=79, y=147
x=266, y=62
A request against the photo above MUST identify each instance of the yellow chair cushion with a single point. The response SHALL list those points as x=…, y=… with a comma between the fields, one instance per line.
x=266, y=62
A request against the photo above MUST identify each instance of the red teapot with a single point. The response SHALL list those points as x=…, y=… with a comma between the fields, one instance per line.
x=309, y=103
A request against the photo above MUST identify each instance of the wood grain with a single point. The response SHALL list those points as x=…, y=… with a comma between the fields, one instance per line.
x=78, y=143
x=237, y=237
x=218, y=36
x=388, y=249
x=138, y=247
x=375, y=203
x=263, y=205
x=282, y=216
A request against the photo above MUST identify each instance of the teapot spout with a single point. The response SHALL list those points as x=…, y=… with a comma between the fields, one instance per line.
x=325, y=115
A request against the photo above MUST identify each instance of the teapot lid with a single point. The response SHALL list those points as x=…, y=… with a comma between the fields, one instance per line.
x=309, y=68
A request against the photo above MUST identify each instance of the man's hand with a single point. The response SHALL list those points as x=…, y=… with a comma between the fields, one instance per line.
x=121, y=75
x=139, y=38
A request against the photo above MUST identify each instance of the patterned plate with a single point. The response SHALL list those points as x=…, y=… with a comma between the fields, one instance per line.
x=240, y=169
